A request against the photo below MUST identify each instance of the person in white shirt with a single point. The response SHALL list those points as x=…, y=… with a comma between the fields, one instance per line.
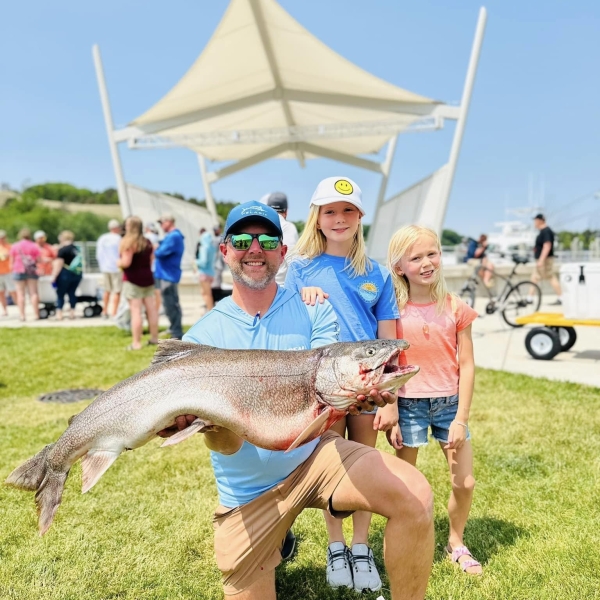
x=279, y=202
x=107, y=255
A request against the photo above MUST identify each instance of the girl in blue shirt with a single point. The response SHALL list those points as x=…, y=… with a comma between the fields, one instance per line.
x=331, y=255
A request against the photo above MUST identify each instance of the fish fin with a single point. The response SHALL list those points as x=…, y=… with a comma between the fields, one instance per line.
x=94, y=464
x=48, y=498
x=169, y=350
x=195, y=427
x=30, y=475
x=313, y=430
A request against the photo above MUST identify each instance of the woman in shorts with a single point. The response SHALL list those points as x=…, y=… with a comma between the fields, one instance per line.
x=25, y=256
x=136, y=255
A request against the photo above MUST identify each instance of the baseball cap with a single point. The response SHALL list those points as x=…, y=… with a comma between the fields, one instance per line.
x=338, y=189
x=113, y=224
x=152, y=227
x=39, y=234
x=166, y=217
x=252, y=211
x=277, y=201
x=540, y=216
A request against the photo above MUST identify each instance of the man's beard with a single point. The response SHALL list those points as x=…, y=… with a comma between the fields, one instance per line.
x=238, y=275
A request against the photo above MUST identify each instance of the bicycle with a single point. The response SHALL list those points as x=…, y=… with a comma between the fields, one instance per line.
x=515, y=300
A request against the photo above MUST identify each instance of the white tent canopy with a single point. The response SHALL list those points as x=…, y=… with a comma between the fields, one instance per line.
x=265, y=87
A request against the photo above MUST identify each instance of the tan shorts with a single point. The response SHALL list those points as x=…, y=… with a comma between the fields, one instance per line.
x=547, y=271
x=113, y=282
x=6, y=283
x=249, y=538
x=135, y=292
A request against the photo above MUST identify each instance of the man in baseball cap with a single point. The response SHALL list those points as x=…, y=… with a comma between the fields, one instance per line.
x=252, y=212
x=279, y=202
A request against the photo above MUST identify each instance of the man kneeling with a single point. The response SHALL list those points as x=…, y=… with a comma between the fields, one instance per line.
x=261, y=492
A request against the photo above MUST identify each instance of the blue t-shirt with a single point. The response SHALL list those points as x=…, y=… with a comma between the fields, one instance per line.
x=206, y=256
x=168, y=255
x=359, y=302
x=288, y=325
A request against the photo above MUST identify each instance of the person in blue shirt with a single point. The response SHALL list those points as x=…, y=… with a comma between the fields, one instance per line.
x=261, y=492
x=167, y=272
x=205, y=262
x=330, y=255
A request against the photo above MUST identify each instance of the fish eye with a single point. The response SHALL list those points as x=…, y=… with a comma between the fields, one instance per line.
x=371, y=352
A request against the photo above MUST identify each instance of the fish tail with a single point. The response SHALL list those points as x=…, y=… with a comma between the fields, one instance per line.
x=36, y=475
x=48, y=498
x=31, y=473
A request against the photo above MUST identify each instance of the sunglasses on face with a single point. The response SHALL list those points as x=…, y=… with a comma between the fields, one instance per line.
x=243, y=241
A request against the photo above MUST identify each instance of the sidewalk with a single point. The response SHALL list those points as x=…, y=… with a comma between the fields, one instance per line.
x=497, y=346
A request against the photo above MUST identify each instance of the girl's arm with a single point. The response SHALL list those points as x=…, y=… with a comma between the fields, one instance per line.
x=387, y=416
x=466, y=363
x=126, y=258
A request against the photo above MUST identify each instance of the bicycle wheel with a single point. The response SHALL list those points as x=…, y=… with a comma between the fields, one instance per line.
x=523, y=299
x=467, y=294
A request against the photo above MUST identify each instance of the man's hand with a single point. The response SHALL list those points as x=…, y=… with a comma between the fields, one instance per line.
x=366, y=403
x=181, y=422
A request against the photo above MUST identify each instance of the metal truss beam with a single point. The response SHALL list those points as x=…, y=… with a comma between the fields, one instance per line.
x=277, y=135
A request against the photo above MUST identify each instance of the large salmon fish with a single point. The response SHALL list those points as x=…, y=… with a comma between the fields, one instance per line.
x=277, y=400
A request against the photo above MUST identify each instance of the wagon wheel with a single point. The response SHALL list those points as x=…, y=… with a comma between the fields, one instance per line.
x=542, y=343
x=567, y=337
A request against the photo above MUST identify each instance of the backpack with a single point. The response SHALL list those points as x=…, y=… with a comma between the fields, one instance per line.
x=471, y=249
x=76, y=265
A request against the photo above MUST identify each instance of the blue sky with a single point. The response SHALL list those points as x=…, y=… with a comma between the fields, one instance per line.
x=534, y=112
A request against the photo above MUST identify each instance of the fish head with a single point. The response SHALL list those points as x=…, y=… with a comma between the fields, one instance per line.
x=349, y=369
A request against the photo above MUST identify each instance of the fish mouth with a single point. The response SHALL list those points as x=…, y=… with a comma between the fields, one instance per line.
x=391, y=376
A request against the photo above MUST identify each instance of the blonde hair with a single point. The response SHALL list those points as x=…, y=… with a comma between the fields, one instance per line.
x=313, y=243
x=66, y=236
x=134, y=237
x=400, y=244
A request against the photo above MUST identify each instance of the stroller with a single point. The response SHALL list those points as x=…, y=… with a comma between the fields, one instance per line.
x=87, y=293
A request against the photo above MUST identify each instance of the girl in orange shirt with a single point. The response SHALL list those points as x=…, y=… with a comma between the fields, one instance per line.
x=438, y=326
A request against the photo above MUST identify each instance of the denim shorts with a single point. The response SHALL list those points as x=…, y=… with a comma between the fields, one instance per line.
x=417, y=415
x=23, y=276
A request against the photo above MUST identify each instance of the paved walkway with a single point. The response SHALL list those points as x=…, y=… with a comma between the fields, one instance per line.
x=497, y=346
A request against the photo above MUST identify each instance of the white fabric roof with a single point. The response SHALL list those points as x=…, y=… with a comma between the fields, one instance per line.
x=262, y=69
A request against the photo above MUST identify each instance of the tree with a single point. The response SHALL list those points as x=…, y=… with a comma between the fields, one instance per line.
x=30, y=213
x=451, y=237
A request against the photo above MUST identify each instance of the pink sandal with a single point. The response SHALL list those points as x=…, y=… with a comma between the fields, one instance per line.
x=457, y=553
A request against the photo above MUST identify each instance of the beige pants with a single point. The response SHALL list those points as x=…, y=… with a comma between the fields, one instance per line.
x=249, y=538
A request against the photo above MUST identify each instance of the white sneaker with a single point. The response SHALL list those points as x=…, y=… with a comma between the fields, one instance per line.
x=364, y=570
x=339, y=566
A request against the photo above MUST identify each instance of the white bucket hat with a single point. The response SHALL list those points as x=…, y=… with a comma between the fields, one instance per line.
x=338, y=189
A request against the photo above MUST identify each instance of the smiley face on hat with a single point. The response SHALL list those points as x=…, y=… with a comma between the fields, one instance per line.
x=343, y=186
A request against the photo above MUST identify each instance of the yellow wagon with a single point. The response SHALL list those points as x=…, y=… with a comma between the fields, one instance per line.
x=555, y=333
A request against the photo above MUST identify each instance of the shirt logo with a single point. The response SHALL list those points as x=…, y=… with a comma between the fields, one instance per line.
x=368, y=291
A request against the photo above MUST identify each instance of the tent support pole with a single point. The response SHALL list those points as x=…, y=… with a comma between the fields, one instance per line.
x=210, y=201
x=114, y=149
x=386, y=167
x=464, y=111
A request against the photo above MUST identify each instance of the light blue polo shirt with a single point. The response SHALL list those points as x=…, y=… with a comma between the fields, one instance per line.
x=288, y=325
x=359, y=302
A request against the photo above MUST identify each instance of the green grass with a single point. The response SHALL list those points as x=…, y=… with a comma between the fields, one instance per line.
x=144, y=531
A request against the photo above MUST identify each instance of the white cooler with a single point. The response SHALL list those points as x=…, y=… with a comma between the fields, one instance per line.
x=580, y=284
